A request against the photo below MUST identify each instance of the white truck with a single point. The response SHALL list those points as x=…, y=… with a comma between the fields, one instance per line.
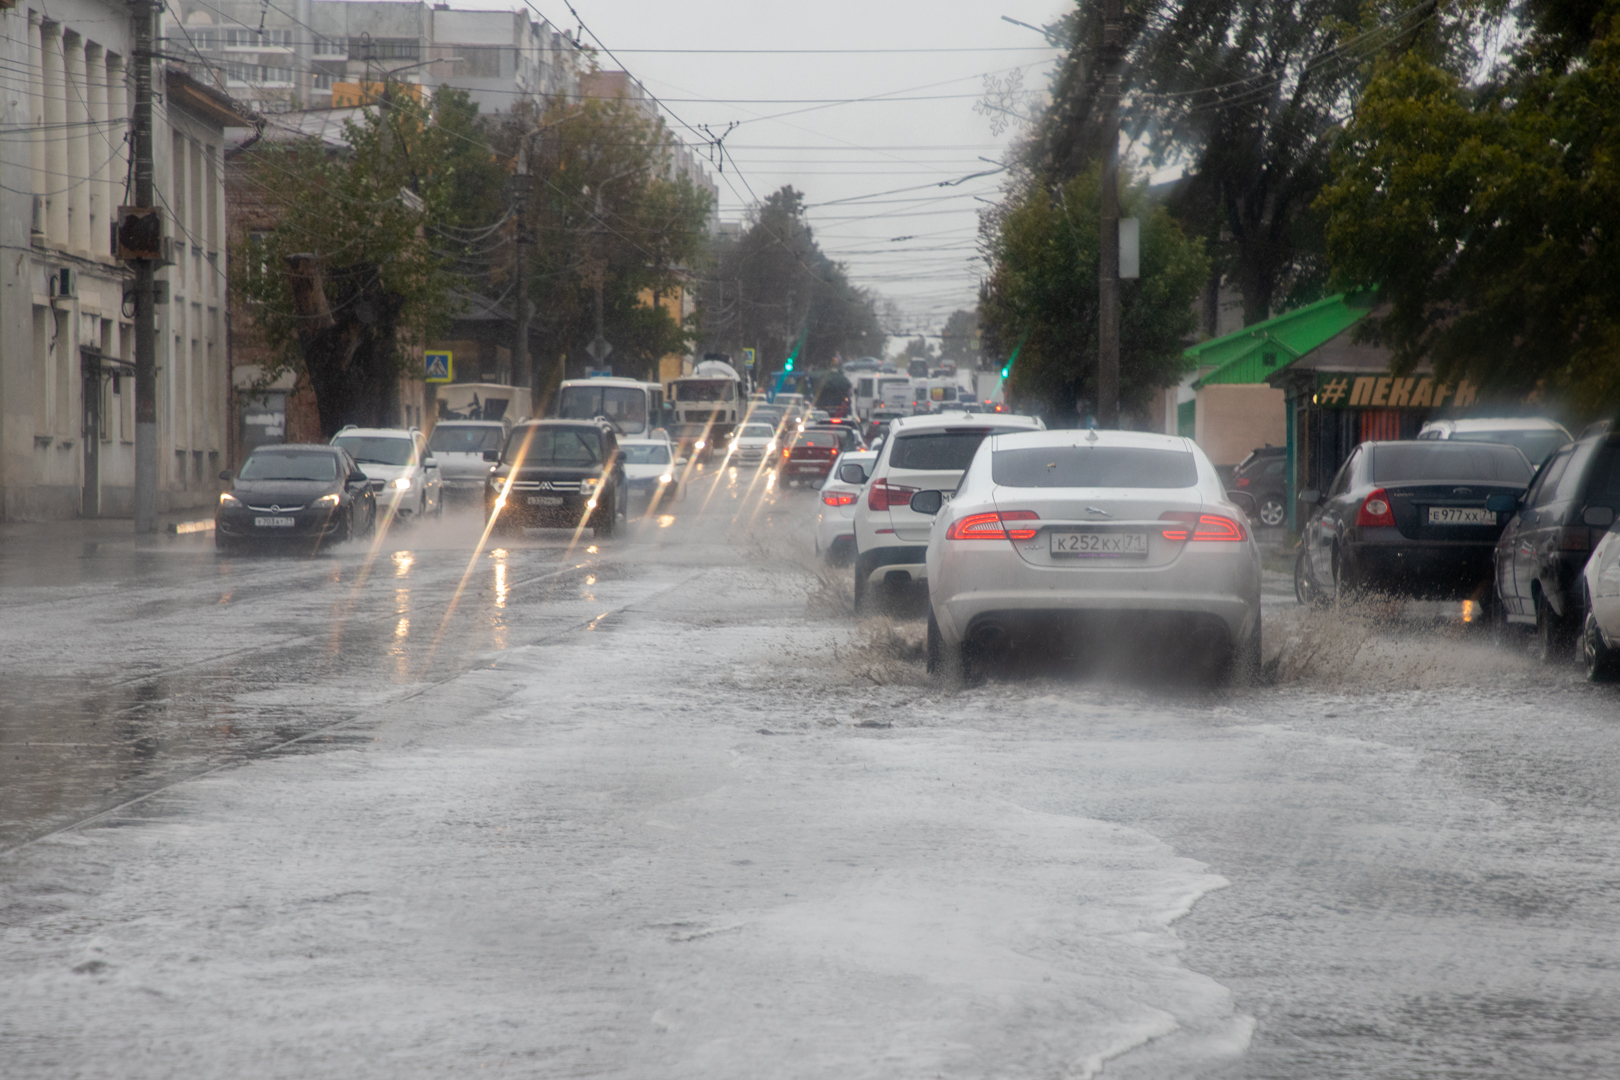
x=713, y=396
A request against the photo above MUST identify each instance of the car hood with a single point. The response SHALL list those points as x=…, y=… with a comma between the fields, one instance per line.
x=460, y=465
x=550, y=472
x=282, y=492
x=646, y=472
x=383, y=472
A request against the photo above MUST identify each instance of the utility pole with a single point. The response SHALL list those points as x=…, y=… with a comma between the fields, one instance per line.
x=146, y=448
x=1112, y=57
x=520, y=341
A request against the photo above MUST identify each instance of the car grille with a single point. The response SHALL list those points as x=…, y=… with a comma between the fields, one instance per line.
x=278, y=509
x=562, y=486
x=377, y=485
x=698, y=416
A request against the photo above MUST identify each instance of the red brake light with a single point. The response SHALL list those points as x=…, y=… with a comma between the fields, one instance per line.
x=1243, y=481
x=882, y=495
x=838, y=498
x=1190, y=525
x=992, y=526
x=1375, y=509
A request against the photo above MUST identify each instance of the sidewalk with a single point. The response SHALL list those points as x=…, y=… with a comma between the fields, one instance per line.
x=189, y=524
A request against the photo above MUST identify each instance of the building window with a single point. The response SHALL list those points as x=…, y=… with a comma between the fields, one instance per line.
x=385, y=49
x=204, y=40
x=337, y=49
x=322, y=81
x=240, y=38
x=278, y=39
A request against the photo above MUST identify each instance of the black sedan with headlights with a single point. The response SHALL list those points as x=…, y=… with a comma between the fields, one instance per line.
x=1414, y=518
x=301, y=493
x=562, y=474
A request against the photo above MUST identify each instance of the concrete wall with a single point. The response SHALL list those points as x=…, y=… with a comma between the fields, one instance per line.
x=1234, y=419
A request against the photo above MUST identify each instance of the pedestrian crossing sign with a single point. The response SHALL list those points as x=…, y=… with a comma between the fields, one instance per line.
x=436, y=367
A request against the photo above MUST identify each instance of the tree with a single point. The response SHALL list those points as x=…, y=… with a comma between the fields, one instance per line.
x=1041, y=297
x=959, y=340
x=773, y=289
x=1247, y=95
x=351, y=278
x=1489, y=217
x=609, y=217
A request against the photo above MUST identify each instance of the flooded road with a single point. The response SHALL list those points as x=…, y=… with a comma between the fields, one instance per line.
x=665, y=808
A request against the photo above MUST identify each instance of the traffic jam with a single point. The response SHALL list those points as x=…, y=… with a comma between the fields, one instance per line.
x=1006, y=538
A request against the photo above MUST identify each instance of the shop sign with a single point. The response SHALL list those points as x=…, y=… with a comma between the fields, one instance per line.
x=1340, y=391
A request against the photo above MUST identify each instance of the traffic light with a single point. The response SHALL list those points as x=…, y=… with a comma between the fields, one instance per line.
x=789, y=366
x=1005, y=370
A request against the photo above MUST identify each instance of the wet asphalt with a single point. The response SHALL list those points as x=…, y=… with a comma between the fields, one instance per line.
x=1398, y=860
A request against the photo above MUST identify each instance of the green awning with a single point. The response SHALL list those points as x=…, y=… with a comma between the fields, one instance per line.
x=1251, y=354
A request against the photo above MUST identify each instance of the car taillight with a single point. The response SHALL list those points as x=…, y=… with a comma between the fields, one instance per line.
x=787, y=453
x=1194, y=526
x=1575, y=538
x=1243, y=481
x=838, y=498
x=883, y=495
x=1375, y=509
x=992, y=526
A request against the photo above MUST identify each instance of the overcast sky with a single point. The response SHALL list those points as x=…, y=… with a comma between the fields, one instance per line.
x=842, y=151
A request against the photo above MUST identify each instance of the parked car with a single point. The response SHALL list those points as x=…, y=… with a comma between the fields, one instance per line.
x=1535, y=436
x=1560, y=518
x=835, y=523
x=1600, y=628
x=1264, y=475
x=458, y=446
x=563, y=474
x=292, y=491
x=809, y=456
x=751, y=444
x=1414, y=518
x=403, y=472
x=1060, y=539
x=891, y=540
x=651, y=471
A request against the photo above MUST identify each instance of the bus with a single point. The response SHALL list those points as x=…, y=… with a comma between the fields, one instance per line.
x=634, y=408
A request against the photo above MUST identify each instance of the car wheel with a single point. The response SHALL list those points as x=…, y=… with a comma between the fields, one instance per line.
x=1346, y=582
x=864, y=565
x=1552, y=637
x=944, y=664
x=1501, y=629
x=1305, y=590
x=1273, y=513
x=225, y=544
x=609, y=519
x=1244, y=667
x=346, y=533
x=1599, y=662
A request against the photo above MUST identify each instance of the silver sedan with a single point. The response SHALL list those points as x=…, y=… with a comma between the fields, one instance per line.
x=1083, y=540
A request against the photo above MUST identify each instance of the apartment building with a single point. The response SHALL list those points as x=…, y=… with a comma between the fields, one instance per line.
x=317, y=54
x=67, y=342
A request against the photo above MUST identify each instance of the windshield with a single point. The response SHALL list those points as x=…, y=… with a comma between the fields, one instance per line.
x=645, y=455
x=756, y=431
x=952, y=450
x=289, y=465
x=626, y=406
x=466, y=440
x=1093, y=467
x=536, y=445
x=1534, y=444
x=378, y=449
x=1449, y=460
x=703, y=390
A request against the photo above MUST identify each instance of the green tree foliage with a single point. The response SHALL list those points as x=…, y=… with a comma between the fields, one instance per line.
x=604, y=210
x=958, y=339
x=772, y=286
x=352, y=277
x=1247, y=95
x=1490, y=217
x=1042, y=290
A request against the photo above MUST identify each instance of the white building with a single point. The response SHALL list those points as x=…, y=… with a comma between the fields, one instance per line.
x=67, y=342
x=308, y=51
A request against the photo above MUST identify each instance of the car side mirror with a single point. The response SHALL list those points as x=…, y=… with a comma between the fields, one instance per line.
x=620, y=457
x=1601, y=516
x=357, y=477
x=927, y=502
x=680, y=462
x=852, y=473
x=1503, y=503
x=225, y=474
x=1245, y=502
x=1310, y=496
x=492, y=455
x=430, y=462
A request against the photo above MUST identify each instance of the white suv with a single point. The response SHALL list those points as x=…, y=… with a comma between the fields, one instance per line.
x=921, y=453
x=399, y=467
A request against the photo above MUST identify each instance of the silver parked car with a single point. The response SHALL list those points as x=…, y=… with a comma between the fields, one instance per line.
x=1064, y=540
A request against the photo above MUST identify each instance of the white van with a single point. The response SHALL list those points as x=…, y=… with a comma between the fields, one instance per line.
x=1535, y=436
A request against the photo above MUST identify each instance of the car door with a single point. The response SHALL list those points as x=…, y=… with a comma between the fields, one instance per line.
x=432, y=478
x=1529, y=531
x=1322, y=528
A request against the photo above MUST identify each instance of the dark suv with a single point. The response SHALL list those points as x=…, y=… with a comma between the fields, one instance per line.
x=564, y=474
x=1565, y=511
x=1264, y=475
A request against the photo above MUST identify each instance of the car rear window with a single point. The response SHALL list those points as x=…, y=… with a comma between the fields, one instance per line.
x=940, y=450
x=1093, y=467
x=450, y=439
x=818, y=438
x=1534, y=443
x=1449, y=460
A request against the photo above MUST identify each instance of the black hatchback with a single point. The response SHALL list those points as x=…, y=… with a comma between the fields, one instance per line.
x=557, y=474
x=307, y=493
x=1415, y=518
x=1568, y=507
